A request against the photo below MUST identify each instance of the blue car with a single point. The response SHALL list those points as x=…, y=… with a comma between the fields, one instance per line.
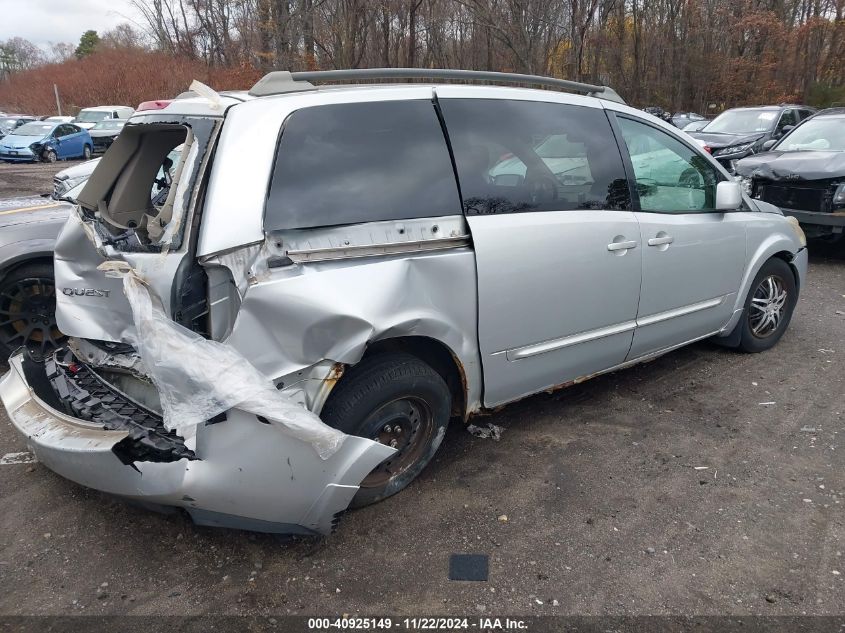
x=46, y=140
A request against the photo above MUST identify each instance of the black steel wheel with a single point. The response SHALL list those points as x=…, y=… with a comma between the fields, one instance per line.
x=397, y=400
x=28, y=310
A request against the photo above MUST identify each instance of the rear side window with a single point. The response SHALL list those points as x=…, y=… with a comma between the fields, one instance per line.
x=522, y=156
x=361, y=162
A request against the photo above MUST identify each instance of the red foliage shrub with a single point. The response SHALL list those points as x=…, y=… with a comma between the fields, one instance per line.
x=114, y=77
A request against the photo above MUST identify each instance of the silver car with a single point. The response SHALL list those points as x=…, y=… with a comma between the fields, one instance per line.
x=336, y=272
x=29, y=226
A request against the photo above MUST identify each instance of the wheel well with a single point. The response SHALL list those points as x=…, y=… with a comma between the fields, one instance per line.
x=787, y=257
x=435, y=354
x=25, y=262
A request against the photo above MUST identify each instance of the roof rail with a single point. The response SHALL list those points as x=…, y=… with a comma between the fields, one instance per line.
x=831, y=110
x=282, y=81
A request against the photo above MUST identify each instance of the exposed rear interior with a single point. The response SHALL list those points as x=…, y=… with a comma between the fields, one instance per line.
x=134, y=187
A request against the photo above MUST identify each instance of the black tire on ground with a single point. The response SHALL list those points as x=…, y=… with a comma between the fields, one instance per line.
x=50, y=156
x=768, y=307
x=86, y=152
x=28, y=310
x=398, y=400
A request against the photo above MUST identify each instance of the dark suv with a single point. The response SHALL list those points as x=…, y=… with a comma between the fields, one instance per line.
x=804, y=174
x=740, y=132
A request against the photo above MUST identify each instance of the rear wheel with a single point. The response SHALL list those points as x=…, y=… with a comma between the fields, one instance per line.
x=397, y=400
x=28, y=310
x=768, y=306
x=86, y=152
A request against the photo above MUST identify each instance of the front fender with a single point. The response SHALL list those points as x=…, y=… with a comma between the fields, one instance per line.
x=766, y=239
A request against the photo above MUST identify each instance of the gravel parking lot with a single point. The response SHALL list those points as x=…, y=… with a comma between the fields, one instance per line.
x=19, y=179
x=704, y=482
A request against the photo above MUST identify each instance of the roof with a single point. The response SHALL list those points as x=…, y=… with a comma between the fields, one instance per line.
x=772, y=107
x=284, y=82
x=107, y=107
x=839, y=111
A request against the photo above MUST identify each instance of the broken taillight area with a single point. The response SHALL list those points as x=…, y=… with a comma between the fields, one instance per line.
x=73, y=387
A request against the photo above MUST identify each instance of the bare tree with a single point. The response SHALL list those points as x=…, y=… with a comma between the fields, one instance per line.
x=681, y=54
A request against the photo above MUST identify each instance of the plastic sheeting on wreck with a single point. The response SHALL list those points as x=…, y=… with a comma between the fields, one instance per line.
x=198, y=378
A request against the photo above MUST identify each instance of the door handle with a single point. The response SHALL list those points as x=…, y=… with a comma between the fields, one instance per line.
x=621, y=246
x=659, y=241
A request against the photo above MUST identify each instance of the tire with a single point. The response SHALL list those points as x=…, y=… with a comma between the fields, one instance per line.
x=768, y=307
x=28, y=310
x=377, y=397
x=50, y=156
x=86, y=152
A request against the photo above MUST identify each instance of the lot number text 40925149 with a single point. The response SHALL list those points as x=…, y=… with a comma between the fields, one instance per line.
x=417, y=624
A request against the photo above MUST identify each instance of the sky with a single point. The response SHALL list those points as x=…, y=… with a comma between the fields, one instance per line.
x=48, y=21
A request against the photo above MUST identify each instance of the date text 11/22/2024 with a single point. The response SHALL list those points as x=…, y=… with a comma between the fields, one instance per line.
x=418, y=624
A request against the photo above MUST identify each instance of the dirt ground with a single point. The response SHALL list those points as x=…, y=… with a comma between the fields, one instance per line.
x=18, y=179
x=704, y=482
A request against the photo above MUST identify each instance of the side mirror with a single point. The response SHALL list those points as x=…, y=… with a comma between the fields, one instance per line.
x=787, y=129
x=769, y=144
x=728, y=196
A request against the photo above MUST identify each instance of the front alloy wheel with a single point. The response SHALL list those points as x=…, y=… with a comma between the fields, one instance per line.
x=768, y=306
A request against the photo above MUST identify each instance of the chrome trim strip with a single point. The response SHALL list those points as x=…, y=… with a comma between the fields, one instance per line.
x=627, y=326
x=682, y=311
x=567, y=341
x=369, y=250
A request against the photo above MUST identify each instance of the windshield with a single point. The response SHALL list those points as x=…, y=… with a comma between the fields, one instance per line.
x=35, y=129
x=743, y=122
x=111, y=124
x=825, y=133
x=92, y=116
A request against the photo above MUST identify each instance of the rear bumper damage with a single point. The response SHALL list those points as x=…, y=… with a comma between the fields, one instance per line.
x=233, y=471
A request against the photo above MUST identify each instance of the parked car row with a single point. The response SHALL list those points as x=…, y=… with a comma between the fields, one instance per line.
x=680, y=120
x=26, y=138
x=803, y=173
x=789, y=155
x=740, y=132
x=577, y=234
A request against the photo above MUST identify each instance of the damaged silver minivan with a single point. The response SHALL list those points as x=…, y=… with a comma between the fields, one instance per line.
x=281, y=322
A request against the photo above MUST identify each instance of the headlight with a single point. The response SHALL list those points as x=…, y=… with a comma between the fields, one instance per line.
x=839, y=196
x=732, y=149
x=747, y=185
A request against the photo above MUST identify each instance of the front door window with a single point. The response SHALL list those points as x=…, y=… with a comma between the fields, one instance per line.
x=670, y=177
